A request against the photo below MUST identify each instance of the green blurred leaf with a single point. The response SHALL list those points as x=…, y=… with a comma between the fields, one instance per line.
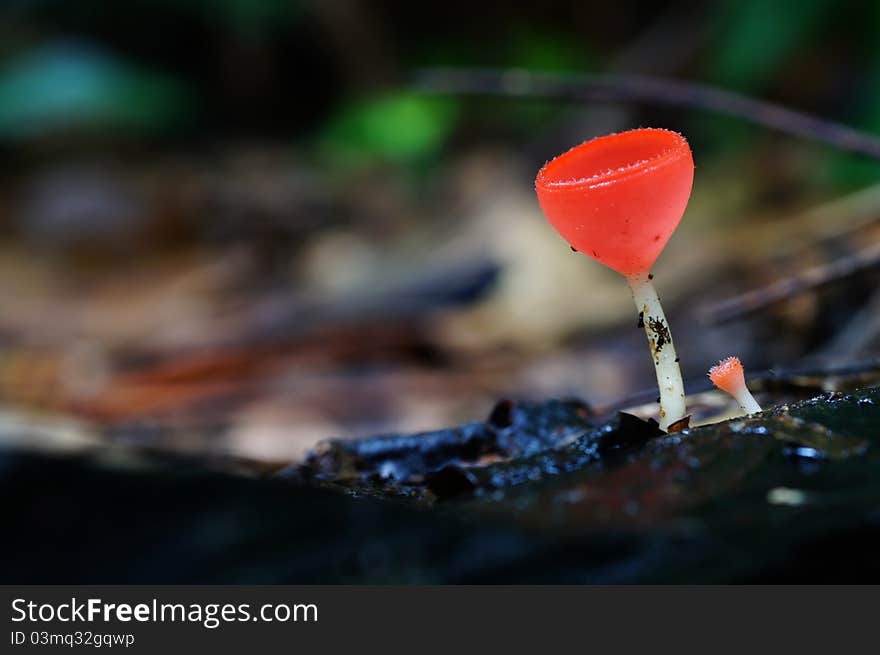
x=522, y=47
x=398, y=127
x=845, y=172
x=756, y=38
x=544, y=51
x=75, y=87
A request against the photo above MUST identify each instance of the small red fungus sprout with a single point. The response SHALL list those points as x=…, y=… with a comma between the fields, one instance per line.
x=728, y=376
x=618, y=199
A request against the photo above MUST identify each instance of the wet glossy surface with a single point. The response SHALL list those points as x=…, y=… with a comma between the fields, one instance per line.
x=539, y=493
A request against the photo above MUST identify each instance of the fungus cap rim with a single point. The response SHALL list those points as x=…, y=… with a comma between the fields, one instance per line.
x=677, y=148
x=728, y=374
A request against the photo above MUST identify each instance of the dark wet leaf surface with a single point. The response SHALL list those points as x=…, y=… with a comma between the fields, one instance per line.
x=540, y=492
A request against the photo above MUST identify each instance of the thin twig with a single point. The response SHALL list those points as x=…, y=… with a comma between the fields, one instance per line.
x=641, y=88
x=861, y=329
x=785, y=288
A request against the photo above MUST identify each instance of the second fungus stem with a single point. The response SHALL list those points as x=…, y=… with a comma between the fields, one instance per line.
x=672, y=405
x=747, y=402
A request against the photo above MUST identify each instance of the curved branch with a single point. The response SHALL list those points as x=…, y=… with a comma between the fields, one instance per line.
x=642, y=88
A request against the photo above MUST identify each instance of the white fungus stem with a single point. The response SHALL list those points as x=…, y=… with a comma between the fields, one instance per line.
x=672, y=407
x=746, y=400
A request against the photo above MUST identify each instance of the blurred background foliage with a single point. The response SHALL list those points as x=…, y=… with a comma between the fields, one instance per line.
x=337, y=71
x=332, y=76
x=239, y=217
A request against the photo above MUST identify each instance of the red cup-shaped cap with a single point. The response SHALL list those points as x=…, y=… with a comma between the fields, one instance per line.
x=728, y=375
x=619, y=198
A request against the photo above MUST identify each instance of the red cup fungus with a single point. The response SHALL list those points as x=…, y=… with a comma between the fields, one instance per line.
x=728, y=375
x=618, y=199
